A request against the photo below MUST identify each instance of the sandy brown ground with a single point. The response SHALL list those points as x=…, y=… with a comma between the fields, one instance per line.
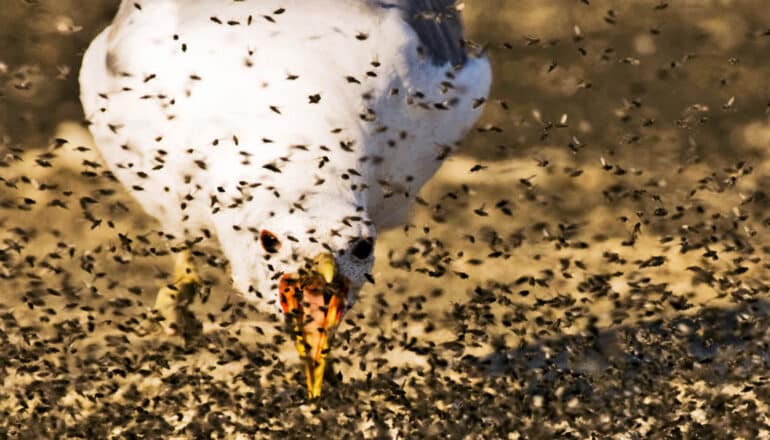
x=603, y=273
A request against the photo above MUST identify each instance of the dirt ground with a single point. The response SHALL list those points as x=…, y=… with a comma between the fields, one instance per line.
x=594, y=264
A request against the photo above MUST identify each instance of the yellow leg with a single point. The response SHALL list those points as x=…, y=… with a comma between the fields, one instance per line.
x=173, y=299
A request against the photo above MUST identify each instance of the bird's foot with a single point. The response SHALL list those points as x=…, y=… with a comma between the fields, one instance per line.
x=171, y=305
x=170, y=309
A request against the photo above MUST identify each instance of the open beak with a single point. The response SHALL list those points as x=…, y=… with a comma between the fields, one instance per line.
x=314, y=302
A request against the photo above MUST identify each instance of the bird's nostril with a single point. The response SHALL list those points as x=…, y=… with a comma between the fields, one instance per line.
x=363, y=248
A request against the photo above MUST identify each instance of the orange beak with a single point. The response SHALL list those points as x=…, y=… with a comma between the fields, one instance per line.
x=314, y=302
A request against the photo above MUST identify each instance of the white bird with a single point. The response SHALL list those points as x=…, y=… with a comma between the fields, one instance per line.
x=290, y=130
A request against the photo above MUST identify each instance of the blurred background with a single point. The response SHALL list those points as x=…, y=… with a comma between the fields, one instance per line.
x=620, y=209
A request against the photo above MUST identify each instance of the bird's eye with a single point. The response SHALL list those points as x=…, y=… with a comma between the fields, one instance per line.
x=363, y=248
x=270, y=243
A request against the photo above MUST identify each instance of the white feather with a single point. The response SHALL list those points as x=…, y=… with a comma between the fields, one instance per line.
x=187, y=109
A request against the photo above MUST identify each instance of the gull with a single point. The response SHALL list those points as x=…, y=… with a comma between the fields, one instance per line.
x=290, y=131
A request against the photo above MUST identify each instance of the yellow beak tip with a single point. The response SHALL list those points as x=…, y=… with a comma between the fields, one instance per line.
x=315, y=377
x=326, y=266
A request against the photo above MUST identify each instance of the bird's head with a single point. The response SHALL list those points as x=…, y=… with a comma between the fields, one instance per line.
x=313, y=267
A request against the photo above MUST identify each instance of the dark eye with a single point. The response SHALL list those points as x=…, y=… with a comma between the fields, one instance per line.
x=363, y=248
x=270, y=243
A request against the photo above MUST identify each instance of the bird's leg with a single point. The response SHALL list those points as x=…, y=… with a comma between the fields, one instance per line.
x=172, y=300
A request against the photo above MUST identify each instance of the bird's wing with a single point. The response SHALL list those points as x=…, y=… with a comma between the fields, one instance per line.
x=437, y=24
x=442, y=87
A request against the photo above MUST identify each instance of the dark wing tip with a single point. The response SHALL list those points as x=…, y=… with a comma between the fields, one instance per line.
x=439, y=27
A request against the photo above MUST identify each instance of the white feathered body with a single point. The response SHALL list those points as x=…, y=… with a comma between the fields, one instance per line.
x=218, y=113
